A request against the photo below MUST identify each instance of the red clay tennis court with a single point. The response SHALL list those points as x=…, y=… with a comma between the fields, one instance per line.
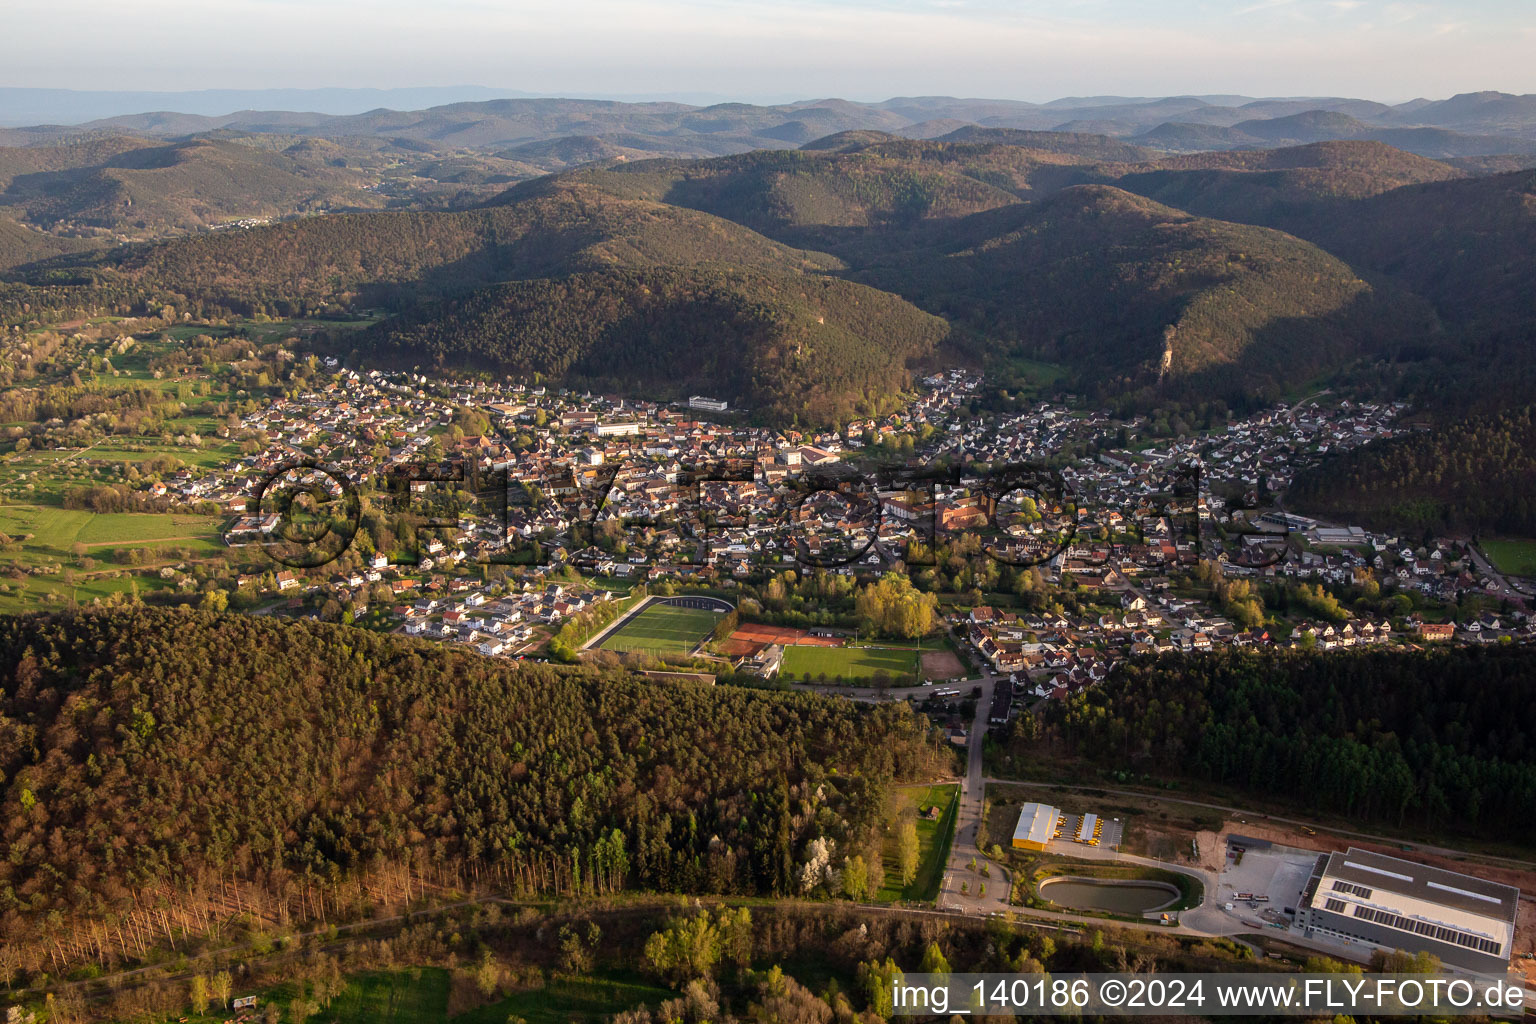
x=752, y=637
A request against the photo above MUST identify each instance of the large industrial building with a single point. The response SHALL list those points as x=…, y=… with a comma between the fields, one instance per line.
x=1036, y=828
x=1390, y=903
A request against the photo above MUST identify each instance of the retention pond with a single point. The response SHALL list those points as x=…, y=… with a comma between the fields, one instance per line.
x=1108, y=895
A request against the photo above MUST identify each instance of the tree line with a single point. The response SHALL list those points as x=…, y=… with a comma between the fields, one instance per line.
x=1476, y=474
x=1442, y=738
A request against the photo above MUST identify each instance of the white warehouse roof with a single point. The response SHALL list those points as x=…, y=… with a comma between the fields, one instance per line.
x=1037, y=823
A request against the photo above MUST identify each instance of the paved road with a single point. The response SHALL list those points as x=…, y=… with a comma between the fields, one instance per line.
x=1310, y=398
x=957, y=872
x=968, y=824
x=1209, y=919
x=972, y=793
x=870, y=694
x=1498, y=585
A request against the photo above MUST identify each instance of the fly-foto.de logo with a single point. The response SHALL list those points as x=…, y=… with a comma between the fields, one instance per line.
x=308, y=514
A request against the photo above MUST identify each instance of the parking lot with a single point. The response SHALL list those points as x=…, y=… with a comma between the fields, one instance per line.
x=1278, y=872
x=1111, y=834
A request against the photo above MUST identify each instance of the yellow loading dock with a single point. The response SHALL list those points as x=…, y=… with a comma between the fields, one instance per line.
x=1089, y=829
x=1037, y=824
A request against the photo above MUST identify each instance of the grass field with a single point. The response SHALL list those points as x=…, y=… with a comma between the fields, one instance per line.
x=933, y=841
x=1516, y=557
x=614, y=584
x=54, y=531
x=663, y=629
x=420, y=996
x=42, y=476
x=394, y=997
x=39, y=592
x=414, y=996
x=582, y=1000
x=849, y=662
x=209, y=456
x=1030, y=376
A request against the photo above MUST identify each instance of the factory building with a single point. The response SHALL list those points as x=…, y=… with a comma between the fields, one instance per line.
x=1036, y=828
x=1385, y=902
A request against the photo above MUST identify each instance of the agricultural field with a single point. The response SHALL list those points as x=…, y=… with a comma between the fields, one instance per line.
x=42, y=476
x=803, y=660
x=663, y=629
x=55, y=531
x=43, y=538
x=209, y=455
x=37, y=593
x=934, y=836
x=1515, y=557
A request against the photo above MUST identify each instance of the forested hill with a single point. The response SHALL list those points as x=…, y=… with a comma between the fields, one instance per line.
x=1284, y=188
x=1082, y=144
x=1444, y=739
x=786, y=345
x=815, y=199
x=20, y=244
x=1107, y=282
x=1240, y=276
x=137, y=188
x=395, y=259
x=160, y=750
x=1463, y=243
x=1009, y=243
x=1473, y=475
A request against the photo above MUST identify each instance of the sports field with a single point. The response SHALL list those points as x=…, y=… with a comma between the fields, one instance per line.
x=663, y=629
x=1515, y=557
x=849, y=662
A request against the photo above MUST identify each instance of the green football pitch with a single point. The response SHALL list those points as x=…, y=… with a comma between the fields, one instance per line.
x=803, y=660
x=663, y=629
x=1516, y=557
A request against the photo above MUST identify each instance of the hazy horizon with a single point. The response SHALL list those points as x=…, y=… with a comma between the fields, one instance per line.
x=24, y=106
x=863, y=50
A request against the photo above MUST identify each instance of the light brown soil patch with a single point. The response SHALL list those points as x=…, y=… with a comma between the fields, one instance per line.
x=1213, y=856
x=941, y=665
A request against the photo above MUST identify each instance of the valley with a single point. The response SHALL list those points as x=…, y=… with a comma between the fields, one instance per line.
x=535, y=559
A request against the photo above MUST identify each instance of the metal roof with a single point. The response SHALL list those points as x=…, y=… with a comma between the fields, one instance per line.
x=1422, y=882
x=1037, y=823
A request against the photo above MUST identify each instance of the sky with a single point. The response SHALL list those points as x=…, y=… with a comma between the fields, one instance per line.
x=1386, y=50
